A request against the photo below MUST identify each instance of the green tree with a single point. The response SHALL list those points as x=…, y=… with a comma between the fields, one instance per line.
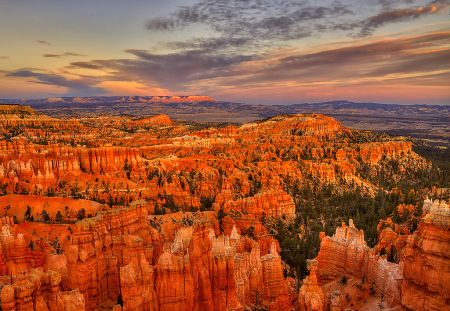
x=27, y=215
x=81, y=214
x=45, y=217
x=250, y=232
x=59, y=217
x=220, y=216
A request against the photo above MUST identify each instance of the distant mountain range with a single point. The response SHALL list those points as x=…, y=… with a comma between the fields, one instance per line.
x=176, y=106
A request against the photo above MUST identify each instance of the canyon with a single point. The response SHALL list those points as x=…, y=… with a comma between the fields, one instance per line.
x=148, y=213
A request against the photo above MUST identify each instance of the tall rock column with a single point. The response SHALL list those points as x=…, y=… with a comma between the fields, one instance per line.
x=136, y=284
x=310, y=295
x=426, y=273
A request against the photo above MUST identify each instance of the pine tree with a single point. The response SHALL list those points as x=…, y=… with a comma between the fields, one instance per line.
x=45, y=217
x=59, y=217
x=81, y=214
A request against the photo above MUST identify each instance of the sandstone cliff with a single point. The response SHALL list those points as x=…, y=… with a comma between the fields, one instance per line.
x=40, y=291
x=347, y=254
x=426, y=274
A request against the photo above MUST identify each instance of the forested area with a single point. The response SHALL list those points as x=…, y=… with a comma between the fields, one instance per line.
x=324, y=208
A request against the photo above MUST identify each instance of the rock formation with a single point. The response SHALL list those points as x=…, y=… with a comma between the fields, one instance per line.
x=115, y=252
x=426, y=277
x=347, y=254
x=310, y=295
x=421, y=279
x=40, y=291
x=22, y=115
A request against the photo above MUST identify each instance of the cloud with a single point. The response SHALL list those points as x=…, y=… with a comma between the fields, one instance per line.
x=388, y=4
x=43, y=42
x=173, y=70
x=193, y=69
x=4, y=57
x=239, y=31
x=379, y=60
x=268, y=23
x=278, y=20
x=207, y=45
x=74, y=86
x=369, y=25
x=62, y=55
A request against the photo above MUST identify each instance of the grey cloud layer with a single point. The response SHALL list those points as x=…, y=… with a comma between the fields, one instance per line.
x=278, y=20
x=75, y=86
x=283, y=20
x=62, y=55
x=179, y=71
x=381, y=58
x=369, y=25
x=43, y=42
x=174, y=70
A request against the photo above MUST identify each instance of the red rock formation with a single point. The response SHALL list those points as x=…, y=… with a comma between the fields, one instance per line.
x=20, y=203
x=391, y=242
x=20, y=115
x=176, y=261
x=15, y=255
x=346, y=253
x=372, y=153
x=426, y=277
x=207, y=270
x=40, y=291
x=137, y=287
x=402, y=207
x=100, y=246
x=323, y=171
x=274, y=204
x=181, y=99
x=310, y=295
x=160, y=119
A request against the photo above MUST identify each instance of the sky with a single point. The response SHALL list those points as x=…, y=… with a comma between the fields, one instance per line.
x=251, y=51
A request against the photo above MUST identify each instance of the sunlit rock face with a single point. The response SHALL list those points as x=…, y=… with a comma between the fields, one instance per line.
x=40, y=291
x=310, y=296
x=427, y=260
x=19, y=115
x=347, y=254
x=116, y=253
x=419, y=281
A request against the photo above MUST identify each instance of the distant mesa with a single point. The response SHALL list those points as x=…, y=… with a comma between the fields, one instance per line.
x=119, y=99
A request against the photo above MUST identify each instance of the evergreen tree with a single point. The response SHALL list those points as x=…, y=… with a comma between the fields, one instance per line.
x=27, y=215
x=59, y=217
x=81, y=214
x=45, y=217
